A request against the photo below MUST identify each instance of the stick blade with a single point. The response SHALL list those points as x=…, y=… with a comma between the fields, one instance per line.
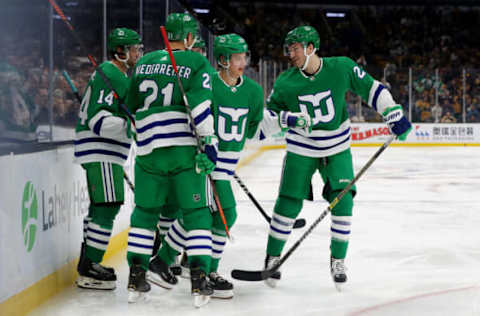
x=244, y=275
x=299, y=223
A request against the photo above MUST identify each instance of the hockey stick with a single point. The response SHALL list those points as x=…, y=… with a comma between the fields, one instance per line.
x=192, y=121
x=265, y=274
x=92, y=60
x=299, y=223
x=79, y=98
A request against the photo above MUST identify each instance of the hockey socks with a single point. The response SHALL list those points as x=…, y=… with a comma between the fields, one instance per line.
x=99, y=230
x=341, y=221
x=281, y=225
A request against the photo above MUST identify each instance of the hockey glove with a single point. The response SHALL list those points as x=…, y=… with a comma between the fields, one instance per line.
x=299, y=120
x=203, y=164
x=205, y=161
x=397, y=122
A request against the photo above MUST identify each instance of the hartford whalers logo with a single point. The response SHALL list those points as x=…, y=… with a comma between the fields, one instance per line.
x=321, y=112
x=231, y=123
x=29, y=215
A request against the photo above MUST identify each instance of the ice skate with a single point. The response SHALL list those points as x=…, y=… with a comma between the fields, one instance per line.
x=176, y=267
x=137, y=285
x=338, y=271
x=270, y=261
x=82, y=257
x=222, y=288
x=202, y=290
x=159, y=273
x=92, y=275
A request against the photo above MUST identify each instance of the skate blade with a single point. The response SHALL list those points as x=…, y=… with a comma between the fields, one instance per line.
x=136, y=297
x=157, y=280
x=224, y=294
x=200, y=300
x=271, y=282
x=92, y=284
x=339, y=286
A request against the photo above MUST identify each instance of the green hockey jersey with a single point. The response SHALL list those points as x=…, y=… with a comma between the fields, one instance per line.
x=237, y=112
x=94, y=140
x=322, y=96
x=156, y=100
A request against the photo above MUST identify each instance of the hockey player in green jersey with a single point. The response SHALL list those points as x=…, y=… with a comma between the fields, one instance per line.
x=167, y=217
x=238, y=109
x=102, y=144
x=310, y=102
x=167, y=163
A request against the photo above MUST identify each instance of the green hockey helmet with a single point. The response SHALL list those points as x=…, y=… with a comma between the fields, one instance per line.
x=226, y=45
x=122, y=37
x=178, y=26
x=304, y=35
x=199, y=42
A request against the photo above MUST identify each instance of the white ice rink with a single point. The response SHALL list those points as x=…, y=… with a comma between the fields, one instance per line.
x=414, y=247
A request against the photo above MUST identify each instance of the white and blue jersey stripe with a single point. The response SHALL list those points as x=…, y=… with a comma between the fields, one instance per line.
x=91, y=147
x=172, y=128
x=319, y=143
x=226, y=163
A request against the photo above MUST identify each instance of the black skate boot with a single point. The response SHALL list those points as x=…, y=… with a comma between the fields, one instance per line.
x=137, y=285
x=160, y=274
x=92, y=275
x=156, y=242
x=338, y=271
x=82, y=256
x=270, y=261
x=201, y=288
x=176, y=267
x=221, y=287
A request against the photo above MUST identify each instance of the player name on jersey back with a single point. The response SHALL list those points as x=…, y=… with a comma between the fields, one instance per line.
x=163, y=69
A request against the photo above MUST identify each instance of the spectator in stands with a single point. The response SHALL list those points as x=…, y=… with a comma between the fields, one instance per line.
x=472, y=112
x=448, y=118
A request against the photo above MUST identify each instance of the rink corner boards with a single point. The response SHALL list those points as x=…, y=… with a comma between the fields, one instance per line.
x=27, y=300
x=44, y=289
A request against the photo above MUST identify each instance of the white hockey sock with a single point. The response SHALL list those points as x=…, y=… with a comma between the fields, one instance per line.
x=176, y=236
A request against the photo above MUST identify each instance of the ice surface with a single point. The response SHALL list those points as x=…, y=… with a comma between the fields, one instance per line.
x=414, y=247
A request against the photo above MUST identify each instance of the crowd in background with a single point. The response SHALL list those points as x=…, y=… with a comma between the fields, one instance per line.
x=427, y=39
x=437, y=43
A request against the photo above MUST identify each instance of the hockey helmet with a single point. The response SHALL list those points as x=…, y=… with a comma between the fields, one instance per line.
x=304, y=35
x=226, y=45
x=178, y=26
x=122, y=37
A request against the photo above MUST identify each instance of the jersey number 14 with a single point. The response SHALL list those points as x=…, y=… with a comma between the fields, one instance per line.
x=83, y=114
